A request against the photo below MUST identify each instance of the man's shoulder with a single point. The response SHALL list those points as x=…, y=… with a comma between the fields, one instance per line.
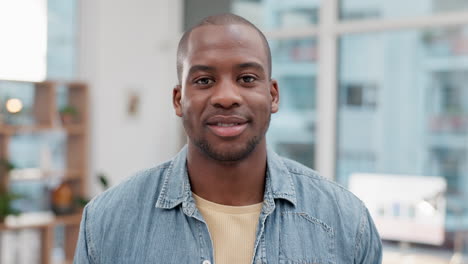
x=311, y=187
x=325, y=203
x=306, y=175
x=142, y=187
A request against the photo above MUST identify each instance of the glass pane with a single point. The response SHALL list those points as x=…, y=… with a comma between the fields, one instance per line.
x=363, y=9
x=275, y=14
x=23, y=44
x=292, y=129
x=403, y=110
x=39, y=150
x=33, y=193
x=38, y=42
x=62, y=39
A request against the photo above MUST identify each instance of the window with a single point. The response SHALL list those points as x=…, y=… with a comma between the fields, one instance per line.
x=62, y=39
x=278, y=14
x=420, y=124
x=41, y=44
x=360, y=95
x=365, y=9
x=24, y=39
x=451, y=99
x=369, y=86
x=292, y=130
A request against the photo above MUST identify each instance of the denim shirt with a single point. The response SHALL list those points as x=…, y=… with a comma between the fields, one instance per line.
x=152, y=218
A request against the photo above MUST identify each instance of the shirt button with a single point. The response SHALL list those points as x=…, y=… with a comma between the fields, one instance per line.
x=206, y=262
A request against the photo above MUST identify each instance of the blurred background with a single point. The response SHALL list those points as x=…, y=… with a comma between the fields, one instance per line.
x=374, y=95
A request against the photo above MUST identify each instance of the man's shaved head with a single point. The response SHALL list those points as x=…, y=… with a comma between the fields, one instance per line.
x=218, y=20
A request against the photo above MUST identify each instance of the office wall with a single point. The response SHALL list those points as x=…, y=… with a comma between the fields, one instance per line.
x=129, y=46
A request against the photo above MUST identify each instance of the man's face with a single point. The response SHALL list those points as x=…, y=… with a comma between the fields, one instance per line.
x=226, y=96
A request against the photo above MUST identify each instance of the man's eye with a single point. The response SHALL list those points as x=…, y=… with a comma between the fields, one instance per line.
x=248, y=79
x=204, y=81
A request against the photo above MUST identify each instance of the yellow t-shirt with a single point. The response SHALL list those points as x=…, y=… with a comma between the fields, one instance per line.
x=232, y=230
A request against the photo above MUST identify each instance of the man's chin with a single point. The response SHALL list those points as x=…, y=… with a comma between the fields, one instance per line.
x=228, y=152
x=228, y=157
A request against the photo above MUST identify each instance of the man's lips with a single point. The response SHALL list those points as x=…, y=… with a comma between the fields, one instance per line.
x=227, y=126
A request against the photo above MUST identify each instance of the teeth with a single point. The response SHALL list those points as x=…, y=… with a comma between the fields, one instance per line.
x=227, y=125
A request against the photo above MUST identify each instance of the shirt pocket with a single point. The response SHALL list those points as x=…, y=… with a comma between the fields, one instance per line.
x=305, y=240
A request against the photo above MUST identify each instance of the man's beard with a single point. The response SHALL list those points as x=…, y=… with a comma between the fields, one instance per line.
x=227, y=156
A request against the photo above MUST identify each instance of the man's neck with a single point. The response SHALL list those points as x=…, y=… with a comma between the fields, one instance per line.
x=238, y=183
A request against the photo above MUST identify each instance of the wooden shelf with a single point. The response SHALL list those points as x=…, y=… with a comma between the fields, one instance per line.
x=71, y=223
x=67, y=220
x=66, y=175
x=74, y=129
x=73, y=219
x=70, y=129
x=46, y=114
x=10, y=130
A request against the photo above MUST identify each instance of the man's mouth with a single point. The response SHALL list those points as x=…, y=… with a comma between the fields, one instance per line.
x=227, y=126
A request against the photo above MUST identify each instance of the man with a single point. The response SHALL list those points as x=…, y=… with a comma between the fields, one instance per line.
x=226, y=198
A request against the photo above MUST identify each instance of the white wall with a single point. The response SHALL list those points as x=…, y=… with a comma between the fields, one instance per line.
x=129, y=45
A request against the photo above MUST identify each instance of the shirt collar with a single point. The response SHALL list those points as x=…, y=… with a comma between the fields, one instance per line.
x=176, y=185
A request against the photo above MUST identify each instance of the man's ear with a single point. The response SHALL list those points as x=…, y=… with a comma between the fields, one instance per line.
x=274, y=93
x=176, y=98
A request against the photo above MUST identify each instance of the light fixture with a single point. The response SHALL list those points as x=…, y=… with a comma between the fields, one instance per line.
x=14, y=105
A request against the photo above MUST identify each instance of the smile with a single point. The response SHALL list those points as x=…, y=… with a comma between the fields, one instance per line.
x=227, y=126
x=227, y=130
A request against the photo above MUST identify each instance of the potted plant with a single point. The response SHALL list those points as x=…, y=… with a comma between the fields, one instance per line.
x=62, y=199
x=6, y=197
x=68, y=114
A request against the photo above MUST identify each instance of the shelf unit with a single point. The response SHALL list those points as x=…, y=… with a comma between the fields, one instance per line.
x=46, y=117
x=71, y=224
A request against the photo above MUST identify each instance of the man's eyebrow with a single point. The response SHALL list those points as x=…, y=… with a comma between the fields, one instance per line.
x=254, y=65
x=196, y=68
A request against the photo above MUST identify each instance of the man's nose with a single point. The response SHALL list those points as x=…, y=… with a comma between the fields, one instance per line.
x=226, y=94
